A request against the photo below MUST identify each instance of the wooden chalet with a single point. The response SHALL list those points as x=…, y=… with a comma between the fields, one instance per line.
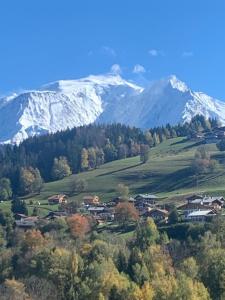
x=91, y=200
x=57, y=199
x=157, y=214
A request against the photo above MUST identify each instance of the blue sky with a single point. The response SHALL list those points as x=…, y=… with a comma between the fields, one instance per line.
x=47, y=40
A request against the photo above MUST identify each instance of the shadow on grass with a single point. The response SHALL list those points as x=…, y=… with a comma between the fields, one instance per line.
x=185, y=140
x=123, y=169
x=170, y=182
x=194, y=145
x=180, y=179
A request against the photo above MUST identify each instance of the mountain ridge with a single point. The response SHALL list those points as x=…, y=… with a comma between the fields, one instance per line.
x=104, y=99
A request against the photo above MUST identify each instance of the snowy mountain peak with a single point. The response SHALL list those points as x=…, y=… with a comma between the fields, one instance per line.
x=104, y=99
x=177, y=84
x=91, y=81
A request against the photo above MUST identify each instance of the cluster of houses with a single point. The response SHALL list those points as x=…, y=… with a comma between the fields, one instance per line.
x=146, y=204
x=210, y=137
x=198, y=208
x=201, y=208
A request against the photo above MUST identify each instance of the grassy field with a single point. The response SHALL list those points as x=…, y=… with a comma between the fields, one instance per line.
x=167, y=174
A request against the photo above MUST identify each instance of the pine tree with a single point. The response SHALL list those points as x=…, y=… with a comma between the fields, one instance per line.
x=19, y=206
x=5, y=189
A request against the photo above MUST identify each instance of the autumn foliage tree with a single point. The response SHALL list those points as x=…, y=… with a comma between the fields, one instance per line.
x=123, y=191
x=79, y=225
x=78, y=185
x=60, y=168
x=125, y=213
x=13, y=289
x=202, y=162
x=30, y=181
x=34, y=239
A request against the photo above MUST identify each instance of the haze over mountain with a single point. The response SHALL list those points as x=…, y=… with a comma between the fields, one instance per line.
x=103, y=99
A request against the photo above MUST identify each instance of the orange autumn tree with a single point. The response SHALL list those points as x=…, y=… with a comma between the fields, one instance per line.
x=125, y=213
x=79, y=225
x=34, y=239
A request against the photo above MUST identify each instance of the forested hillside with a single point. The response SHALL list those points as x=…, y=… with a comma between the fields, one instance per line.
x=51, y=157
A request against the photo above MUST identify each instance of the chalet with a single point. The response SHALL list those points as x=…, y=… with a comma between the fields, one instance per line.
x=190, y=207
x=57, y=199
x=26, y=222
x=101, y=213
x=201, y=215
x=95, y=210
x=146, y=199
x=157, y=214
x=212, y=202
x=117, y=200
x=193, y=197
x=18, y=216
x=91, y=200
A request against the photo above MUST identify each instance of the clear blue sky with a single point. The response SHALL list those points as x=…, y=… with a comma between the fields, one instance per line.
x=47, y=40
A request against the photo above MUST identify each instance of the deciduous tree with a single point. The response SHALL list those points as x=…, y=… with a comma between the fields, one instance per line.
x=60, y=168
x=125, y=213
x=144, y=153
x=79, y=225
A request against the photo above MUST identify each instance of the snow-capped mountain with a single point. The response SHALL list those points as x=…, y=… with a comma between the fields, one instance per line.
x=105, y=98
x=171, y=101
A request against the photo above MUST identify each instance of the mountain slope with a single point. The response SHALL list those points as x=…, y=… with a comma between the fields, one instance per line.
x=60, y=105
x=169, y=101
x=106, y=98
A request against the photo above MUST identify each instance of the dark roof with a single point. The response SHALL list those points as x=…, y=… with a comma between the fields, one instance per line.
x=56, y=214
x=156, y=210
x=192, y=205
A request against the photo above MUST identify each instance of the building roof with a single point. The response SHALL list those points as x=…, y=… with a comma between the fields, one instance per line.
x=200, y=213
x=56, y=214
x=96, y=208
x=208, y=200
x=20, y=215
x=195, y=196
x=147, y=196
x=59, y=196
x=163, y=211
x=191, y=205
x=89, y=197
